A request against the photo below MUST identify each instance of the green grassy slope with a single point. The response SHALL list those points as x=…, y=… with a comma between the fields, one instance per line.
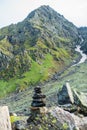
x=76, y=75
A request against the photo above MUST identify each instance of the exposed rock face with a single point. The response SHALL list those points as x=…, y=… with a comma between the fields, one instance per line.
x=65, y=96
x=4, y=61
x=83, y=33
x=4, y=118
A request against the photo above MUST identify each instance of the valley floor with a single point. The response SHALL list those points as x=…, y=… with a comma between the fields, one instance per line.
x=75, y=75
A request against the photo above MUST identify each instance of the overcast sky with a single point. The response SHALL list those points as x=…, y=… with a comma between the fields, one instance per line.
x=13, y=11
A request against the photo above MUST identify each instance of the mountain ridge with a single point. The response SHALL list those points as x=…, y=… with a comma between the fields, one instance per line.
x=44, y=40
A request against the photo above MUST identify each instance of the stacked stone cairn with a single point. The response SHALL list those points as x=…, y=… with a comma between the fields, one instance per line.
x=38, y=105
x=39, y=101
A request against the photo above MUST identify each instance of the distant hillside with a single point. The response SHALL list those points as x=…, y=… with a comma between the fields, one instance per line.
x=83, y=33
x=34, y=49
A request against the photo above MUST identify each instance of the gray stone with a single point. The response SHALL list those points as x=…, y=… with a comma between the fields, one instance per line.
x=72, y=100
x=65, y=95
x=80, y=99
x=64, y=117
x=74, y=122
x=18, y=125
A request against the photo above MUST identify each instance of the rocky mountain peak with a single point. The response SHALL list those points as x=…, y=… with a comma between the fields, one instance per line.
x=47, y=18
x=44, y=39
x=45, y=14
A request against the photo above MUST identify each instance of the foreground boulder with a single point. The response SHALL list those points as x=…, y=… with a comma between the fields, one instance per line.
x=55, y=119
x=4, y=118
x=64, y=117
x=65, y=95
x=80, y=99
x=72, y=121
x=72, y=100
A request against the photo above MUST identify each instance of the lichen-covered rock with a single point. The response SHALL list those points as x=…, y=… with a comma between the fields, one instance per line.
x=73, y=122
x=55, y=119
x=44, y=122
x=81, y=122
x=19, y=125
x=63, y=117
x=80, y=99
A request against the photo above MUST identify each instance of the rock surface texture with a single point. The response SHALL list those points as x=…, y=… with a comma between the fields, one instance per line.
x=73, y=121
x=65, y=95
x=55, y=119
x=72, y=100
x=4, y=118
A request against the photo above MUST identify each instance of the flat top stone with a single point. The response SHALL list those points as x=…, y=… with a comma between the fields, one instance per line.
x=37, y=88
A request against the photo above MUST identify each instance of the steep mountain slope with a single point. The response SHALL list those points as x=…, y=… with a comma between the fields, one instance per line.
x=34, y=49
x=83, y=33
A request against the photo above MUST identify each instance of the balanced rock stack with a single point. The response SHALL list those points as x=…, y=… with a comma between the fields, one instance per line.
x=39, y=100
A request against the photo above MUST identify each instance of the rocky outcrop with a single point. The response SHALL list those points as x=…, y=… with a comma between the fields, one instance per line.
x=73, y=121
x=4, y=61
x=72, y=100
x=83, y=33
x=63, y=117
x=80, y=99
x=80, y=122
x=55, y=119
x=65, y=95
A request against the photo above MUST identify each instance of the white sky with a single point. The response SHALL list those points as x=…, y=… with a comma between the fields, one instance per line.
x=13, y=11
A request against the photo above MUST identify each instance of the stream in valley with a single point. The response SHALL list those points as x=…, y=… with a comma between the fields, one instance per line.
x=84, y=56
